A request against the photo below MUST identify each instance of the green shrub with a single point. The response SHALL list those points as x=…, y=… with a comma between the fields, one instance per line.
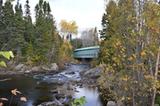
x=79, y=101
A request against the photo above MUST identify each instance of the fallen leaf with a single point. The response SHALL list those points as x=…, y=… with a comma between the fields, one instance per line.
x=24, y=99
x=4, y=99
x=15, y=92
x=1, y=104
x=143, y=53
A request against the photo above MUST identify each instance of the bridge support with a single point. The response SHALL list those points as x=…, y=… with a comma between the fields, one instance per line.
x=84, y=60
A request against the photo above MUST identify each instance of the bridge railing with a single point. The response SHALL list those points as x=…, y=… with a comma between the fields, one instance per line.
x=87, y=52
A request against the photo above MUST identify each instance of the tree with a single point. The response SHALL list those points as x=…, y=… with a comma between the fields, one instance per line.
x=46, y=34
x=90, y=37
x=130, y=50
x=27, y=12
x=31, y=43
x=7, y=22
x=1, y=22
x=68, y=28
x=76, y=43
x=18, y=42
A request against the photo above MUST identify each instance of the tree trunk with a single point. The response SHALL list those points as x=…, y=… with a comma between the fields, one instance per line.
x=133, y=96
x=155, y=77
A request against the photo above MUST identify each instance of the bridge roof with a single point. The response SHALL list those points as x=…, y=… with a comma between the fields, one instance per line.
x=87, y=48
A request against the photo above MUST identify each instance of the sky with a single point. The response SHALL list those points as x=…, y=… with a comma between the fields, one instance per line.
x=86, y=13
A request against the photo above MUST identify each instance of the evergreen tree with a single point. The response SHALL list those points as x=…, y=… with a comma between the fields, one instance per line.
x=8, y=25
x=18, y=42
x=39, y=43
x=46, y=34
x=1, y=7
x=29, y=27
x=1, y=23
x=27, y=12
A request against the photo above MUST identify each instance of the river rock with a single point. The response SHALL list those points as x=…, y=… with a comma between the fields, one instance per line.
x=45, y=68
x=27, y=71
x=52, y=103
x=111, y=103
x=19, y=67
x=54, y=66
x=93, y=73
x=35, y=69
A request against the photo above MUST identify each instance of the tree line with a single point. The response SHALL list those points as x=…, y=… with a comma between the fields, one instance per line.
x=37, y=42
x=130, y=50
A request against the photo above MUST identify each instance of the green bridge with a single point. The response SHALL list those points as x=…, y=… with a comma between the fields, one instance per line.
x=86, y=53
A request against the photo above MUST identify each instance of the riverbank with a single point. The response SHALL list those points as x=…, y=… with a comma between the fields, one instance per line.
x=57, y=88
x=22, y=69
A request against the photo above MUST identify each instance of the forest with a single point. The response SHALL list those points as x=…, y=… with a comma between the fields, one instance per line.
x=33, y=43
x=125, y=73
x=130, y=49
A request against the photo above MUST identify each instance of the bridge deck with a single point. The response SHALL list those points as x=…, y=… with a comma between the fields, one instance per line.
x=87, y=52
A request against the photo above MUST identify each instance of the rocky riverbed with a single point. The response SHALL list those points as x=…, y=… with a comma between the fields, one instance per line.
x=21, y=69
x=54, y=88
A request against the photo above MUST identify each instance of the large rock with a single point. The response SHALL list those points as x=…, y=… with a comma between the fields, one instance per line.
x=46, y=68
x=54, y=66
x=93, y=73
x=111, y=103
x=19, y=67
x=35, y=69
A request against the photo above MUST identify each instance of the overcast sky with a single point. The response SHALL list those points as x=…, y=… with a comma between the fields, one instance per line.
x=86, y=13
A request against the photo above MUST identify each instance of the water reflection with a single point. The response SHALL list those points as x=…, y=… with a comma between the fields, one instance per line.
x=29, y=87
x=91, y=94
x=38, y=88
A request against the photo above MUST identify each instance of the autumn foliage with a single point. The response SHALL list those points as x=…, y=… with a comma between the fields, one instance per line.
x=130, y=49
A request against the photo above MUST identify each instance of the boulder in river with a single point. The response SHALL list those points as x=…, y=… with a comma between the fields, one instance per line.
x=93, y=73
x=52, y=103
x=111, y=103
x=19, y=67
x=52, y=67
x=36, y=69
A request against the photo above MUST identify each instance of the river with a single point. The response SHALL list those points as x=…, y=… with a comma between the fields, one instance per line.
x=42, y=87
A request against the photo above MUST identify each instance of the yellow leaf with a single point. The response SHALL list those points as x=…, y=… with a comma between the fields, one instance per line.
x=15, y=92
x=134, y=56
x=143, y=53
x=124, y=79
x=123, y=98
x=126, y=88
x=128, y=98
x=130, y=58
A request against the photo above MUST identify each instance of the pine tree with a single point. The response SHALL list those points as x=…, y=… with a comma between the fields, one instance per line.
x=18, y=41
x=8, y=25
x=39, y=42
x=27, y=12
x=46, y=34
x=1, y=23
x=1, y=7
x=29, y=27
